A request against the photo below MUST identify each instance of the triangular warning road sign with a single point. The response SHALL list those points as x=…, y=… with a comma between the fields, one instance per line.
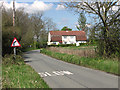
x=15, y=43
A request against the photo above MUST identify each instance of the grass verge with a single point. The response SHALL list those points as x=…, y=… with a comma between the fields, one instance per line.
x=110, y=66
x=16, y=74
x=29, y=49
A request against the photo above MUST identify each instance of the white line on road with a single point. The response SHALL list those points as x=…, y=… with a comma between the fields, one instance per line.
x=55, y=73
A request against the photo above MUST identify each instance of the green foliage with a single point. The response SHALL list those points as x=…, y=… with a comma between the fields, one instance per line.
x=29, y=49
x=95, y=63
x=83, y=44
x=65, y=28
x=8, y=35
x=21, y=77
x=106, y=23
x=10, y=59
x=72, y=45
x=41, y=44
x=109, y=42
x=62, y=45
x=22, y=30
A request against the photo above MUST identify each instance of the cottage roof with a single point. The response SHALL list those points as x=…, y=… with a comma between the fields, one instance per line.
x=57, y=35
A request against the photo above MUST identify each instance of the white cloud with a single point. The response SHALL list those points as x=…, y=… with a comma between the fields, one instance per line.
x=30, y=8
x=60, y=7
x=115, y=8
x=76, y=23
x=88, y=25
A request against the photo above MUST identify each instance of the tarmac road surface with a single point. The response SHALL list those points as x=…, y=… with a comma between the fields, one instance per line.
x=59, y=74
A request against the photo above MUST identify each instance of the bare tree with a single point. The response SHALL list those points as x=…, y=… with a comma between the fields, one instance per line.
x=102, y=9
x=38, y=24
x=81, y=22
x=49, y=24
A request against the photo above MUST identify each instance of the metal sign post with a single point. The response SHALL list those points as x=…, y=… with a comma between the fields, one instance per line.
x=14, y=52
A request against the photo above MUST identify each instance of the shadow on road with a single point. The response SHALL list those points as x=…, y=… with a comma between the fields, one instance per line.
x=25, y=57
x=27, y=61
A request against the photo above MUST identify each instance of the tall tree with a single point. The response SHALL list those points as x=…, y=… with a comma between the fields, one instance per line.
x=23, y=31
x=81, y=22
x=49, y=24
x=38, y=24
x=105, y=11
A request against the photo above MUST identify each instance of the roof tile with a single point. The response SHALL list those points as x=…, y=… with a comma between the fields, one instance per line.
x=57, y=35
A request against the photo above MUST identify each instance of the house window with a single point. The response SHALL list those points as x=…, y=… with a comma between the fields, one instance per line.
x=54, y=42
x=65, y=42
x=65, y=37
x=72, y=37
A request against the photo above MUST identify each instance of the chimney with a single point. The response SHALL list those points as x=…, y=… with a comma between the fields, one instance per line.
x=83, y=29
x=66, y=30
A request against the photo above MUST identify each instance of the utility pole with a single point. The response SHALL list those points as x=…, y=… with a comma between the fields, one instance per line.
x=14, y=24
x=13, y=12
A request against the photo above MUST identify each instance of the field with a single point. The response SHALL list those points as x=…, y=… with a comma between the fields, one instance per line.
x=86, y=51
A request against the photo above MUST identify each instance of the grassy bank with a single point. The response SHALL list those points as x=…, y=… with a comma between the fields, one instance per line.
x=29, y=49
x=95, y=63
x=16, y=74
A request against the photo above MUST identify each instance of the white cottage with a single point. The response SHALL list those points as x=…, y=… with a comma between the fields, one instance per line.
x=66, y=37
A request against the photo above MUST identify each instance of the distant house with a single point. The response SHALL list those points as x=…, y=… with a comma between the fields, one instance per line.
x=66, y=37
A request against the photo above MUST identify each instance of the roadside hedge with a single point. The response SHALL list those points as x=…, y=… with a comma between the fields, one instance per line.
x=62, y=45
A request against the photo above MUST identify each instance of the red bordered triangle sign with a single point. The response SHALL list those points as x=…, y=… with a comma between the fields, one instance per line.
x=15, y=43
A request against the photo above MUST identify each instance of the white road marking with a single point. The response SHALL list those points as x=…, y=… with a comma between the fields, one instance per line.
x=55, y=73
x=67, y=72
x=42, y=74
x=48, y=74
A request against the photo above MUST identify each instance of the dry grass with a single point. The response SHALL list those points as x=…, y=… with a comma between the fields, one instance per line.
x=86, y=52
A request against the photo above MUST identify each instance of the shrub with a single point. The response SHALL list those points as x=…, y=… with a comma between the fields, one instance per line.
x=11, y=59
x=82, y=44
x=62, y=45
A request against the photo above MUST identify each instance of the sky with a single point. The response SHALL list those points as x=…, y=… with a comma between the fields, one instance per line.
x=51, y=9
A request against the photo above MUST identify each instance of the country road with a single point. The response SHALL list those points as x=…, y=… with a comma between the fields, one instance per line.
x=59, y=74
